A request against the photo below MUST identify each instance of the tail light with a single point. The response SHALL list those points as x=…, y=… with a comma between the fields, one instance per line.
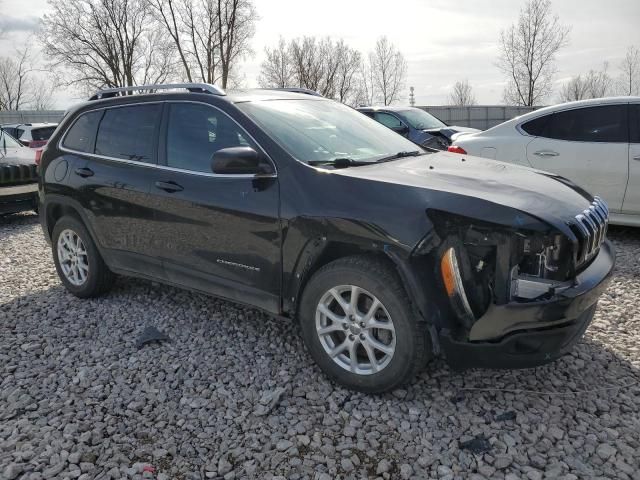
x=36, y=143
x=38, y=156
x=456, y=149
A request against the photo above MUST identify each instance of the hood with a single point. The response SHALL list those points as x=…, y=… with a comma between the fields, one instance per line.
x=450, y=130
x=470, y=184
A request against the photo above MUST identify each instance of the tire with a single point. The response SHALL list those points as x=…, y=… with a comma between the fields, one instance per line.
x=91, y=276
x=402, y=332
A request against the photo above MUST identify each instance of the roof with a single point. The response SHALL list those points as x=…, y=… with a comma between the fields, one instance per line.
x=388, y=108
x=581, y=103
x=31, y=125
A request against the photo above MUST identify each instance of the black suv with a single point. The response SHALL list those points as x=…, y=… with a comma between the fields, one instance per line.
x=387, y=255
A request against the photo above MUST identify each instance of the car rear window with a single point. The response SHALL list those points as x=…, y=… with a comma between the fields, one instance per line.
x=605, y=123
x=43, y=133
x=81, y=136
x=128, y=132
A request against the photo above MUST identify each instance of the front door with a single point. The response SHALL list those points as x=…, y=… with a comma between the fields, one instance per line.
x=220, y=233
x=588, y=146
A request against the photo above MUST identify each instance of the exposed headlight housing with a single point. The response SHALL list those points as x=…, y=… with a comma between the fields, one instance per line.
x=453, y=285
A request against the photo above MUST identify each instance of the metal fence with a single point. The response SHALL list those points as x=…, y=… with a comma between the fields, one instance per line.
x=479, y=116
x=482, y=117
x=30, y=116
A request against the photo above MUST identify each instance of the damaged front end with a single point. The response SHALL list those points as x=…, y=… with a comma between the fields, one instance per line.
x=515, y=296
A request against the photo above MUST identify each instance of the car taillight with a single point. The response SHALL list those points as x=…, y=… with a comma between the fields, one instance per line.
x=456, y=149
x=38, y=156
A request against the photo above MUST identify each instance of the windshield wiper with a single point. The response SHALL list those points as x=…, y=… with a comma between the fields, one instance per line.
x=412, y=153
x=343, y=162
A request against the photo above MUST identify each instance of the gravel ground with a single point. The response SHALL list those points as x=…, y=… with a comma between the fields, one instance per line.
x=235, y=395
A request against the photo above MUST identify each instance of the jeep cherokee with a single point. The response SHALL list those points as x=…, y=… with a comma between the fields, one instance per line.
x=387, y=254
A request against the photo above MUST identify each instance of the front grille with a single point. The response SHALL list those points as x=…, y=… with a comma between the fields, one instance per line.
x=590, y=227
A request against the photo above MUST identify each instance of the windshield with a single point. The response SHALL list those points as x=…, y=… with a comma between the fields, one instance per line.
x=421, y=120
x=7, y=141
x=323, y=130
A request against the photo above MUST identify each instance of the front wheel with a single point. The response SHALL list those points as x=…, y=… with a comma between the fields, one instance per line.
x=358, y=325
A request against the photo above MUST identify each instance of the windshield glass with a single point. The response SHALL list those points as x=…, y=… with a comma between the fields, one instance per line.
x=323, y=130
x=7, y=141
x=421, y=120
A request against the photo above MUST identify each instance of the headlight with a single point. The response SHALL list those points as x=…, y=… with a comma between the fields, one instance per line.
x=454, y=286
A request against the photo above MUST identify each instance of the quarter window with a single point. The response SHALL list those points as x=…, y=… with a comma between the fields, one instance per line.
x=592, y=124
x=128, y=132
x=196, y=132
x=82, y=134
x=536, y=127
x=634, y=114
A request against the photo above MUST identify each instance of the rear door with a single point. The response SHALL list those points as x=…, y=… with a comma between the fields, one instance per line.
x=111, y=172
x=587, y=145
x=632, y=196
x=221, y=232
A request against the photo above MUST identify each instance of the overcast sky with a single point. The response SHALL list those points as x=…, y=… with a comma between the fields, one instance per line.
x=442, y=40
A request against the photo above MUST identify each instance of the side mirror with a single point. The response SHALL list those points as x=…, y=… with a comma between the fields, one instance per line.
x=238, y=161
x=402, y=129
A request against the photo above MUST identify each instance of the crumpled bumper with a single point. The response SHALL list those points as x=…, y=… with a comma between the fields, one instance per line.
x=520, y=335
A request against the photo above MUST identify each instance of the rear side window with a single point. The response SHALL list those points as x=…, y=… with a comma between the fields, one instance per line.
x=592, y=124
x=82, y=134
x=43, y=133
x=128, y=132
x=536, y=126
x=634, y=115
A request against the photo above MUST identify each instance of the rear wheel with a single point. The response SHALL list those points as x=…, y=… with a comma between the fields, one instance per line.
x=78, y=262
x=358, y=325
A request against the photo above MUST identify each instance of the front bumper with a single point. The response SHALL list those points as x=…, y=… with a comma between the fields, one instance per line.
x=18, y=198
x=526, y=334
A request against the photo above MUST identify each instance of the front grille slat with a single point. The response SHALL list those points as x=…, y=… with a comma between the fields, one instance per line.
x=590, y=228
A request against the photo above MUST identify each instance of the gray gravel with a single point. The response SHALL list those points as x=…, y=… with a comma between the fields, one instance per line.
x=235, y=395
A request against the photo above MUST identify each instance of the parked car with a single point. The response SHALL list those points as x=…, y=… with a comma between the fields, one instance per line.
x=594, y=143
x=18, y=176
x=32, y=135
x=417, y=125
x=386, y=254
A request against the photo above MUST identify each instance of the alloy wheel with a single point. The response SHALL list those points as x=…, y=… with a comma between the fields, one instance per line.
x=73, y=258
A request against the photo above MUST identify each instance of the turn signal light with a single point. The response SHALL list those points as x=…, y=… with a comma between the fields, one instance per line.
x=453, y=285
x=456, y=149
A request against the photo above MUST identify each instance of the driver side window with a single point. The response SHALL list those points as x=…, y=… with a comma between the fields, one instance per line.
x=195, y=132
x=388, y=120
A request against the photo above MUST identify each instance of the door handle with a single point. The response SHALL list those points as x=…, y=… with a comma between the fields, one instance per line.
x=169, y=187
x=637, y=157
x=546, y=153
x=84, y=172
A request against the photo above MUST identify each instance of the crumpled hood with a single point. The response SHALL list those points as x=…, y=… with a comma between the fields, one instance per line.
x=543, y=195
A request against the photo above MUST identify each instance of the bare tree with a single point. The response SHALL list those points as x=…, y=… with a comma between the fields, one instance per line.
x=389, y=70
x=595, y=84
x=629, y=83
x=528, y=51
x=106, y=43
x=20, y=86
x=14, y=75
x=328, y=67
x=462, y=94
x=236, y=27
x=276, y=70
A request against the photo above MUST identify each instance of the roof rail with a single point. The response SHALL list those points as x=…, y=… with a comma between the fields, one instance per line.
x=192, y=87
x=306, y=91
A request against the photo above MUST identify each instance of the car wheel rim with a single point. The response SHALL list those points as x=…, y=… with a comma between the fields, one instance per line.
x=355, y=329
x=73, y=258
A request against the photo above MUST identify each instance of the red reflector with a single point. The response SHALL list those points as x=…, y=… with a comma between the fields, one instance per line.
x=456, y=149
x=38, y=156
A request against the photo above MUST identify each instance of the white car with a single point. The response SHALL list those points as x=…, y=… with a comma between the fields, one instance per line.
x=594, y=143
x=33, y=135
